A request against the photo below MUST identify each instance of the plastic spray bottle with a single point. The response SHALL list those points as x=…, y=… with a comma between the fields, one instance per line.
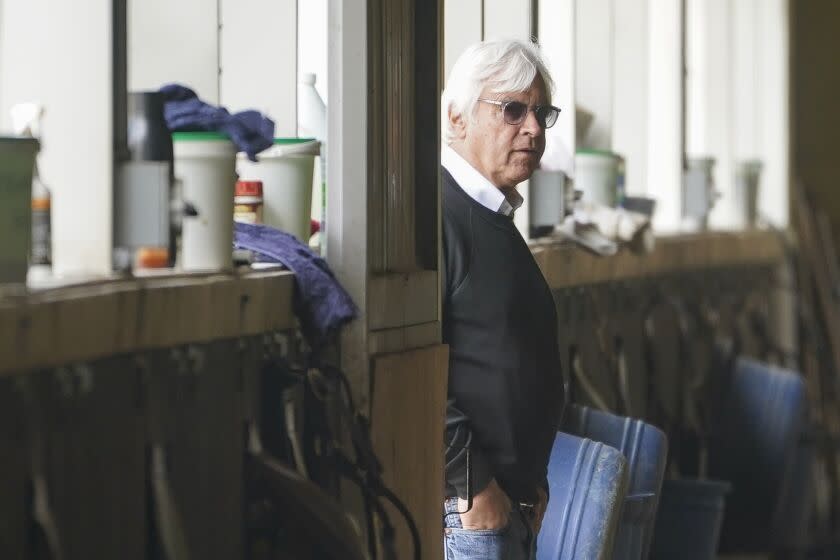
x=312, y=123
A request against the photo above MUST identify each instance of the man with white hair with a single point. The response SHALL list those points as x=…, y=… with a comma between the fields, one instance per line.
x=505, y=384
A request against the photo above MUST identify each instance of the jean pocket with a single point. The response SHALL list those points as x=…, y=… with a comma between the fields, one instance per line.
x=477, y=544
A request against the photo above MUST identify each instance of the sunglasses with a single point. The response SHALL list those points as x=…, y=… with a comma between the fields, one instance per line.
x=514, y=112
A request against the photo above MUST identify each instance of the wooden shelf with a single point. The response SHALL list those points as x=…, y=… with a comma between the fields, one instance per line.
x=565, y=265
x=87, y=321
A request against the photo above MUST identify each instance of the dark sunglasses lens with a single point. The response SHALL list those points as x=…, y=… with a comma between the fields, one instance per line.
x=515, y=112
x=547, y=116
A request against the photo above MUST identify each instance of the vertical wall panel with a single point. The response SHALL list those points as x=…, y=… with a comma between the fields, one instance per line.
x=709, y=100
x=259, y=59
x=507, y=19
x=312, y=42
x=737, y=97
x=21, y=78
x=462, y=26
x=774, y=118
x=174, y=42
x=698, y=74
x=665, y=154
x=594, y=68
x=397, y=83
x=347, y=169
x=745, y=77
x=612, y=81
x=630, y=91
x=312, y=58
x=59, y=54
x=556, y=35
x=391, y=217
x=4, y=126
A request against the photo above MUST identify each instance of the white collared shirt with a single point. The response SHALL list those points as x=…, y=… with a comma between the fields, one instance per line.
x=478, y=186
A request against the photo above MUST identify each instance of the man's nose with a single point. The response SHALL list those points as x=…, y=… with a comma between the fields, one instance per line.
x=531, y=125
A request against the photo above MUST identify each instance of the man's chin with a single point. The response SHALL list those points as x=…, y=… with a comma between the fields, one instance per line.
x=522, y=175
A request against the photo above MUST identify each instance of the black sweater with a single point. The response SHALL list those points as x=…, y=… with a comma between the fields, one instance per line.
x=505, y=383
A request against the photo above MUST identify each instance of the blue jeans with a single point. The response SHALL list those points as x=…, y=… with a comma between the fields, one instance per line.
x=514, y=542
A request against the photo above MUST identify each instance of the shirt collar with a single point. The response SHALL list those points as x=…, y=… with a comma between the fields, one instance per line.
x=477, y=186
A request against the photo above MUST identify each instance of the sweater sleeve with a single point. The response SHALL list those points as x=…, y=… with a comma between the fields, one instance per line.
x=467, y=467
x=456, y=255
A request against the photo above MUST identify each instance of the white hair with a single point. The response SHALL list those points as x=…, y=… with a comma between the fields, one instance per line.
x=504, y=66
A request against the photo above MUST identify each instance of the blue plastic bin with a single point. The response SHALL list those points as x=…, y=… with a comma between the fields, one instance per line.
x=689, y=519
x=587, y=485
x=754, y=445
x=645, y=447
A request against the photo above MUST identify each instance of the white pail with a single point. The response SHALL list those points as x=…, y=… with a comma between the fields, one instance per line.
x=286, y=171
x=548, y=201
x=205, y=164
x=596, y=175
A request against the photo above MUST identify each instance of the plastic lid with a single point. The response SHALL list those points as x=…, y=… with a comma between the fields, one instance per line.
x=199, y=136
x=248, y=188
x=286, y=141
x=307, y=78
x=283, y=147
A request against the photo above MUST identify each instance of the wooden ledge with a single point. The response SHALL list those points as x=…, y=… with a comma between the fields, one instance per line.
x=565, y=265
x=88, y=321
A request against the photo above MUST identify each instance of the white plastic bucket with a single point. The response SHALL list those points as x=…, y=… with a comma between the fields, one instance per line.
x=549, y=204
x=286, y=171
x=596, y=175
x=205, y=165
x=17, y=162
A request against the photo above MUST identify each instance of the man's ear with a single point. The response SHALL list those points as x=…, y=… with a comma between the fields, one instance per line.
x=458, y=125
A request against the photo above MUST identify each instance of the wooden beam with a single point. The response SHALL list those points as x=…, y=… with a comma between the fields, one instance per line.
x=407, y=424
x=565, y=265
x=85, y=322
x=402, y=299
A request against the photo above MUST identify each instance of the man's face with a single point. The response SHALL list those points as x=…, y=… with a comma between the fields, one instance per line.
x=506, y=154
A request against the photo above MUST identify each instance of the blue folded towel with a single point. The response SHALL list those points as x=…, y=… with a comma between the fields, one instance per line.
x=320, y=302
x=250, y=131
